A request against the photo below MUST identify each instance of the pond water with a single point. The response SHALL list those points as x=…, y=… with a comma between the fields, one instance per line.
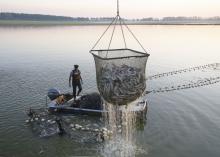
x=180, y=123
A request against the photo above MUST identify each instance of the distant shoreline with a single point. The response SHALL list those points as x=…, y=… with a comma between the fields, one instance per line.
x=80, y=23
x=24, y=19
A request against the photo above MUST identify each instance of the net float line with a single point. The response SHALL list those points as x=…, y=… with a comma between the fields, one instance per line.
x=199, y=83
x=196, y=68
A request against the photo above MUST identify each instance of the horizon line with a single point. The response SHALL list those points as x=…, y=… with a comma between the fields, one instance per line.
x=202, y=17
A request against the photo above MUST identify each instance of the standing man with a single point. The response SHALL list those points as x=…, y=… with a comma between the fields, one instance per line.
x=75, y=75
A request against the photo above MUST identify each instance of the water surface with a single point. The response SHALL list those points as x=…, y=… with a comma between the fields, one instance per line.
x=181, y=123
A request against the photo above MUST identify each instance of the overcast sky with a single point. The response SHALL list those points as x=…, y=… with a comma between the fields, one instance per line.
x=128, y=8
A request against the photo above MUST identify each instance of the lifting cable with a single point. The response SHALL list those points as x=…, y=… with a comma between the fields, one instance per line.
x=118, y=20
x=122, y=31
x=112, y=35
x=133, y=35
x=104, y=33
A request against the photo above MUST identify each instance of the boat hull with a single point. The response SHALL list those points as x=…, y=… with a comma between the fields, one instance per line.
x=140, y=109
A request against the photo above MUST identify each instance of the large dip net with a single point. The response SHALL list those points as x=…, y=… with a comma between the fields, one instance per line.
x=120, y=73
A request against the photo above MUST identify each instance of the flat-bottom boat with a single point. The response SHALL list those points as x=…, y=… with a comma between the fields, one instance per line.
x=87, y=104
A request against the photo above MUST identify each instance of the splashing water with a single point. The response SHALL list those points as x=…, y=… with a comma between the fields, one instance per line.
x=121, y=148
x=121, y=120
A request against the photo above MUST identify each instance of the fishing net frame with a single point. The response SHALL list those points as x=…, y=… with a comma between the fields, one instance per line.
x=120, y=70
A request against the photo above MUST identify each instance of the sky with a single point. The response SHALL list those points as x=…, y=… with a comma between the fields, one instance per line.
x=107, y=8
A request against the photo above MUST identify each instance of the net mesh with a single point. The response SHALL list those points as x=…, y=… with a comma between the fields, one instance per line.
x=120, y=74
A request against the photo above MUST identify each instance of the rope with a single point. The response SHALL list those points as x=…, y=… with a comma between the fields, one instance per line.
x=104, y=33
x=122, y=31
x=121, y=22
x=112, y=36
x=133, y=35
x=117, y=7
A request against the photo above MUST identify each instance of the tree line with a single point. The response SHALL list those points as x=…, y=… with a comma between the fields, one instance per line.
x=40, y=17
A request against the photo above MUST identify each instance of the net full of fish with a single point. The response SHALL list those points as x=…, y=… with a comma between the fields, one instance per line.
x=121, y=84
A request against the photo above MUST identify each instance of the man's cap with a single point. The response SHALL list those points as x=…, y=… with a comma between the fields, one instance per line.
x=76, y=66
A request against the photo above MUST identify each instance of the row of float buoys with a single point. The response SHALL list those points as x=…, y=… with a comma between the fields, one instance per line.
x=202, y=67
x=199, y=83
